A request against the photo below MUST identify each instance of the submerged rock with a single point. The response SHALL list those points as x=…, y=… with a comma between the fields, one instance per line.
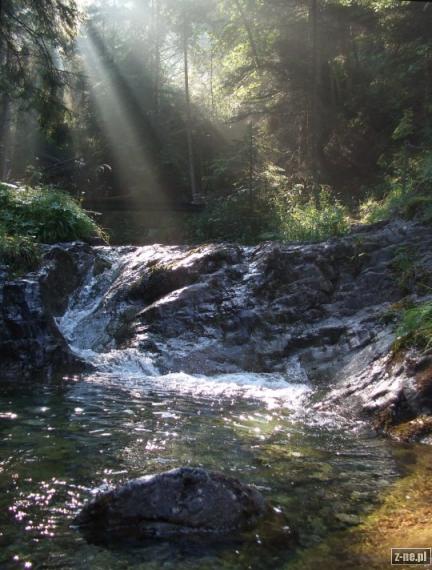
x=181, y=502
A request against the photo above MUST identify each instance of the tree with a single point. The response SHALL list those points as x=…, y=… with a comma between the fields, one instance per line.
x=34, y=37
x=192, y=167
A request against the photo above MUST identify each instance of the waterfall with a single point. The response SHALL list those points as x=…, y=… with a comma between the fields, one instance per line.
x=117, y=290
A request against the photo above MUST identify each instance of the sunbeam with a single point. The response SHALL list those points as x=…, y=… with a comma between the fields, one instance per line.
x=111, y=97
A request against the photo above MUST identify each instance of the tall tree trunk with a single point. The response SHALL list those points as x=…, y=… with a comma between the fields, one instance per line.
x=5, y=132
x=427, y=89
x=5, y=117
x=191, y=158
x=251, y=164
x=251, y=38
x=157, y=56
x=212, y=96
x=314, y=124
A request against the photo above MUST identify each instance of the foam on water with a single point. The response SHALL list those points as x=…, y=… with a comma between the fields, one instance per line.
x=84, y=325
x=271, y=389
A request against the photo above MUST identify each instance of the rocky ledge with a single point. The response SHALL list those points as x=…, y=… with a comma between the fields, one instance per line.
x=30, y=341
x=321, y=313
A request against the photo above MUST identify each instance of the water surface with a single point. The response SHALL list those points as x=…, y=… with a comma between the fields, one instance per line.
x=61, y=440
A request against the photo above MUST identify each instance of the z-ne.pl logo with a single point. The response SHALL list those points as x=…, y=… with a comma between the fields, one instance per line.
x=411, y=556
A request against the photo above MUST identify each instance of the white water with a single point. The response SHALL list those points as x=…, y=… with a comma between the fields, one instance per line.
x=91, y=309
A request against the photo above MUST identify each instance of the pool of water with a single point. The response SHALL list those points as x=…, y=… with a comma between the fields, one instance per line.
x=61, y=440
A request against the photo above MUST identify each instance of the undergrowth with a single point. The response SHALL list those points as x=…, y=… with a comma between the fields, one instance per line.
x=271, y=214
x=397, y=202
x=415, y=328
x=32, y=216
x=19, y=253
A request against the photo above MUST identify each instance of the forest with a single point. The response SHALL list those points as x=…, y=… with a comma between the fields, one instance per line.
x=261, y=119
x=215, y=284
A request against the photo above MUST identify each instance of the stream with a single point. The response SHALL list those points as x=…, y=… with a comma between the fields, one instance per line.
x=61, y=441
x=65, y=437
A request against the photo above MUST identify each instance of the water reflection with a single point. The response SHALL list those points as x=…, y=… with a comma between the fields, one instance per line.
x=59, y=442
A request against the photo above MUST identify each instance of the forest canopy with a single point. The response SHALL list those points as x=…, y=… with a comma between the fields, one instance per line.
x=257, y=113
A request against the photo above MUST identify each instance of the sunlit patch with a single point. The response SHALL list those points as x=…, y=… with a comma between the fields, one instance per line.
x=271, y=389
x=8, y=416
x=55, y=500
x=118, y=108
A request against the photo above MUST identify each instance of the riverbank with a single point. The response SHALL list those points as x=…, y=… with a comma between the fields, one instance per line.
x=402, y=519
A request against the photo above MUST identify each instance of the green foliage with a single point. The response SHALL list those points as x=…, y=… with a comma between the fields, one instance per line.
x=409, y=187
x=397, y=203
x=30, y=33
x=374, y=210
x=363, y=116
x=415, y=328
x=242, y=216
x=409, y=271
x=272, y=213
x=31, y=216
x=405, y=127
x=313, y=220
x=44, y=215
x=18, y=252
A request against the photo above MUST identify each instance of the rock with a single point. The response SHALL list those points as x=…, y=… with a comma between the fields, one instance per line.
x=30, y=340
x=348, y=519
x=222, y=309
x=391, y=391
x=181, y=502
x=62, y=272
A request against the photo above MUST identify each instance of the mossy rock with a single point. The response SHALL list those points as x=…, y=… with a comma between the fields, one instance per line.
x=411, y=431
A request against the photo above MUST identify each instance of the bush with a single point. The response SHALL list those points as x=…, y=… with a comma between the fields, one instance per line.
x=238, y=217
x=415, y=328
x=314, y=220
x=407, y=205
x=30, y=216
x=18, y=252
x=408, y=192
x=44, y=215
x=375, y=210
x=273, y=213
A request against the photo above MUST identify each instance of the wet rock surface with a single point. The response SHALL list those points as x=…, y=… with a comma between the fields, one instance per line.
x=30, y=341
x=315, y=313
x=181, y=502
x=393, y=391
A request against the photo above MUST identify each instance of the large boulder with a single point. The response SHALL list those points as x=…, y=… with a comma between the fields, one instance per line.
x=30, y=340
x=181, y=502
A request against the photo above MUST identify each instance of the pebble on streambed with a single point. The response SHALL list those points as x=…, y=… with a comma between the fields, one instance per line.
x=184, y=502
